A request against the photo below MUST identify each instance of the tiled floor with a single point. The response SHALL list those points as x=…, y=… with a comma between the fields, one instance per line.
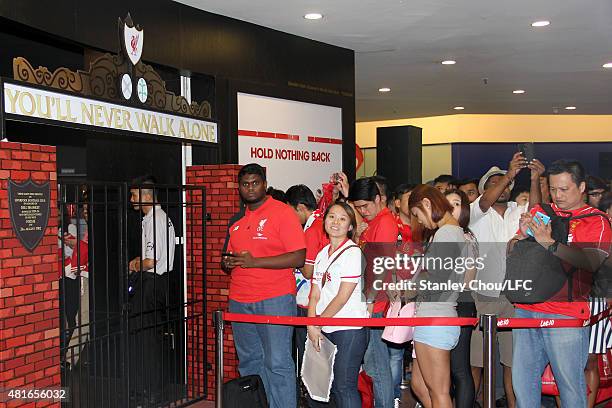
x=407, y=402
x=203, y=404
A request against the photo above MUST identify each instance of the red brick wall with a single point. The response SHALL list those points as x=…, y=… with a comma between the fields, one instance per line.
x=222, y=201
x=29, y=299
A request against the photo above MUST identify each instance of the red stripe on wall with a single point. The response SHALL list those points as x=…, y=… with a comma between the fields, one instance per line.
x=287, y=137
x=329, y=140
x=268, y=135
x=247, y=133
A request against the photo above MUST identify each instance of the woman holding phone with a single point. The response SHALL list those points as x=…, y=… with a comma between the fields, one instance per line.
x=336, y=292
x=444, y=239
x=461, y=372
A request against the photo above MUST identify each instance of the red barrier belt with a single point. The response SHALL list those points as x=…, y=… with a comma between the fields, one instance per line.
x=513, y=322
x=351, y=321
x=522, y=323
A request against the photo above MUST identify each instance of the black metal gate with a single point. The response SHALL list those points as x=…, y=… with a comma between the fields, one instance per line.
x=125, y=305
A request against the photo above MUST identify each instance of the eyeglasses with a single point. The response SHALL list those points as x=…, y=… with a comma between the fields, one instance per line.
x=596, y=194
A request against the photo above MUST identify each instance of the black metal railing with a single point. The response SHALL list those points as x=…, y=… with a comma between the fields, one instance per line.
x=126, y=326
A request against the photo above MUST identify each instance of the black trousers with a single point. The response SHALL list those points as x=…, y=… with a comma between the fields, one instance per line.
x=299, y=336
x=461, y=372
x=71, y=301
x=148, y=319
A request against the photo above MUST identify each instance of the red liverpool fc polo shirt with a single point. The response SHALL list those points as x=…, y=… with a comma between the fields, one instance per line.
x=316, y=240
x=382, y=229
x=272, y=229
x=592, y=232
x=405, y=231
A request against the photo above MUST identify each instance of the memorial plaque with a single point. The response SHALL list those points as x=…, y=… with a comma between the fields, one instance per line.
x=29, y=205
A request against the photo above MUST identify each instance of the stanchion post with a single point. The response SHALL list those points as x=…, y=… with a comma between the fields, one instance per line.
x=218, y=321
x=488, y=325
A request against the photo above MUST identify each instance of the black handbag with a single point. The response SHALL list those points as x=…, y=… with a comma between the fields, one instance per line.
x=245, y=392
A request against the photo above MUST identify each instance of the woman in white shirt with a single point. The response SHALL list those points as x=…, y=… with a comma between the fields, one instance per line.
x=336, y=291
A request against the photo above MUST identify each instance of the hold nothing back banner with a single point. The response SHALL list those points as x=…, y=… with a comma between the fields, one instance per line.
x=298, y=143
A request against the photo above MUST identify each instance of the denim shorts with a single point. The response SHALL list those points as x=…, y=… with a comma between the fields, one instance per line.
x=440, y=337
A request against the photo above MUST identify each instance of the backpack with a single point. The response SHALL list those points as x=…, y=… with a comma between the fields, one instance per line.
x=245, y=391
x=529, y=261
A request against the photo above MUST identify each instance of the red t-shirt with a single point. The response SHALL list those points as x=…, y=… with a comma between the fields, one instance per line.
x=382, y=229
x=82, y=255
x=316, y=240
x=594, y=232
x=272, y=229
x=405, y=232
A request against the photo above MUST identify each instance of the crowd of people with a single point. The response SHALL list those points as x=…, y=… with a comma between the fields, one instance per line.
x=295, y=254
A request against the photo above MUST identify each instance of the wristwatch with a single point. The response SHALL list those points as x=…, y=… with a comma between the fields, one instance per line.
x=552, y=248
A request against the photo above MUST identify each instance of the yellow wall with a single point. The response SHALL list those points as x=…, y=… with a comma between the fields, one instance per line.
x=437, y=159
x=368, y=168
x=499, y=128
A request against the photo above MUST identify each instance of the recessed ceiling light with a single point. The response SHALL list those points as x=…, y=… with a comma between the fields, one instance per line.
x=384, y=89
x=570, y=107
x=449, y=62
x=313, y=16
x=542, y=23
x=607, y=65
x=518, y=91
x=458, y=108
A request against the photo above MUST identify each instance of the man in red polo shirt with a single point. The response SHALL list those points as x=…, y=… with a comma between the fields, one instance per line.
x=266, y=245
x=566, y=349
x=378, y=239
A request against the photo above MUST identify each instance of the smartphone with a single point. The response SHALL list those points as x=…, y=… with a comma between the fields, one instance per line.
x=227, y=254
x=539, y=218
x=336, y=177
x=528, y=151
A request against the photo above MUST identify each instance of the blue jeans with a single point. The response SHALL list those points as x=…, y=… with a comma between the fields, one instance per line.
x=396, y=359
x=377, y=366
x=300, y=335
x=567, y=351
x=265, y=349
x=351, y=348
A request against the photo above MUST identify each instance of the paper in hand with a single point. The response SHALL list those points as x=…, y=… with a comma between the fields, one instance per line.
x=318, y=369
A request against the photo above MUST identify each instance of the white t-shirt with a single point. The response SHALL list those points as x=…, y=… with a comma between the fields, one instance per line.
x=158, y=240
x=493, y=233
x=348, y=268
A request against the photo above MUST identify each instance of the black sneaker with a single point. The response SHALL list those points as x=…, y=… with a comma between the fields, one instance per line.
x=501, y=403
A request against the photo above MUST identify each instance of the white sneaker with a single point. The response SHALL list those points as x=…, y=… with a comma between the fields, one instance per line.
x=396, y=403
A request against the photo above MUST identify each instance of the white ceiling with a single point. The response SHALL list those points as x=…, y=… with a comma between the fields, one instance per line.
x=400, y=43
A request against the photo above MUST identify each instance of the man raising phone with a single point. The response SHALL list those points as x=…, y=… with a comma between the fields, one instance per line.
x=494, y=220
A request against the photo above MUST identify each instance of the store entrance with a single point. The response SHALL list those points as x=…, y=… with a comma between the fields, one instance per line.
x=104, y=346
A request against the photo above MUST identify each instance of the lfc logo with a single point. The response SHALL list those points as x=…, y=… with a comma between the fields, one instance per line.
x=262, y=223
x=133, y=37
